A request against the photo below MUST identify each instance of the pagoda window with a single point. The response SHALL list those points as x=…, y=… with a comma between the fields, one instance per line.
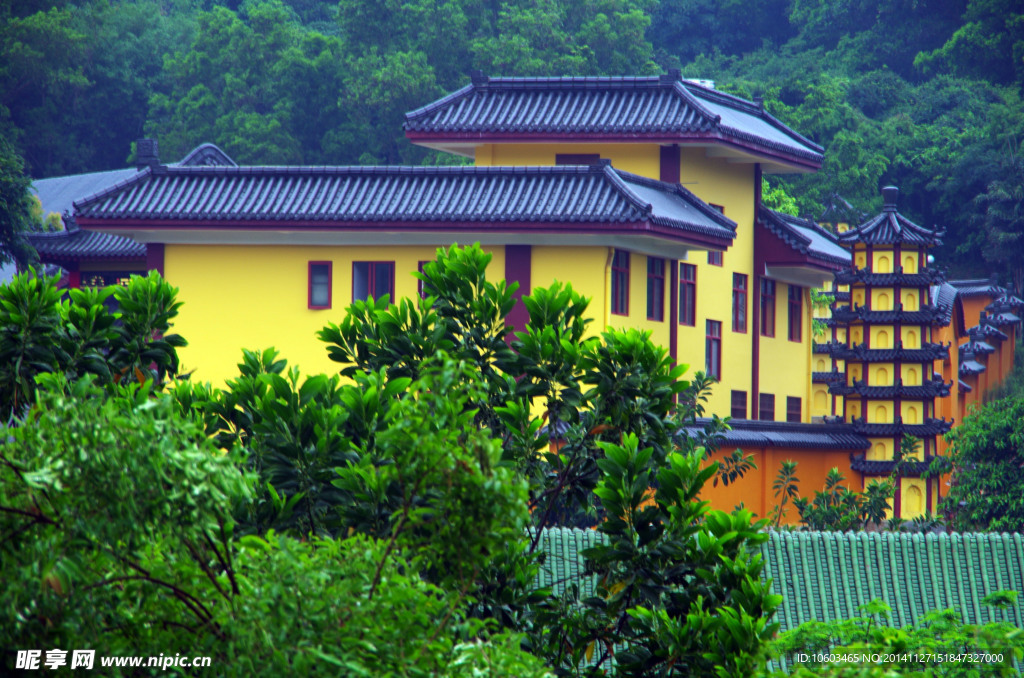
x=881, y=302
x=909, y=301
x=912, y=416
x=913, y=502
x=881, y=377
x=910, y=376
x=883, y=264
x=910, y=264
x=911, y=340
x=882, y=340
x=820, y=401
x=860, y=259
x=881, y=414
x=878, y=452
x=820, y=367
x=857, y=296
x=620, y=283
x=856, y=336
x=854, y=410
x=855, y=373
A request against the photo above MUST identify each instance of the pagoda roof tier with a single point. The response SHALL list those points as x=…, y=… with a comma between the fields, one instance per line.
x=976, y=346
x=930, y=427
x=929, y=315
x=987, y=331
x=934, y=388
x=647, y=109
x=861, y=353
x=818, y=347
x=863, y=276
x=826, y=377
x=890, y=228
x=887, y=466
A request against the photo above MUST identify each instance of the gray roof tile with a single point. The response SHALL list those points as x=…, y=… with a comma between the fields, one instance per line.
x=403, y=195
x=661, y=107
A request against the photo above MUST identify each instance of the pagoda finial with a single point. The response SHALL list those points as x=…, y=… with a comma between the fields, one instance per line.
x=890, y=194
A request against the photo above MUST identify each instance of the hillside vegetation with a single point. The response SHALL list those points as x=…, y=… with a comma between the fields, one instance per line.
x=924, y=94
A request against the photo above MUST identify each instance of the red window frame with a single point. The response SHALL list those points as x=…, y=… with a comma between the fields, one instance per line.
x=620, y=282
x=713, y=349
x=766, y=406
x=687, y=294
x=796, y=312
x=655, y=289
x=767, y=307
x=714, y=258
x=739, y=302
x=738, y=409
x=328, y=268
x=794, y=409
x=374, y=269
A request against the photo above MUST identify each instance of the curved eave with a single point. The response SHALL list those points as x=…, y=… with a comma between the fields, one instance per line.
x=794, y=162
x=283, y=231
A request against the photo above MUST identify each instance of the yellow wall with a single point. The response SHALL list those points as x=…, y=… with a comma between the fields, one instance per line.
x=786, y=365
x=256, y=297
x=643, y=159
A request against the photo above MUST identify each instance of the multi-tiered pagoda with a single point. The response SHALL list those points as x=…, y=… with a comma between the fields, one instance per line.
x=890, y=387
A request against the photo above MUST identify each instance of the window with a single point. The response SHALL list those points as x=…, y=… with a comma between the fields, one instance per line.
x=620, y=283
x=319, y=285
x=373, y=279
x=796, y=312
x=420, y=285
x=766, y=407
x=794, y=409
x=739, y=302
x=715, y=258
x=655, y=289
x=739, y=405
x=713, y=350
x=767, y=308
x=687, y=294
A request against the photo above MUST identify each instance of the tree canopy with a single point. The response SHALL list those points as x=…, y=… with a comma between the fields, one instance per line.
x=925, y=95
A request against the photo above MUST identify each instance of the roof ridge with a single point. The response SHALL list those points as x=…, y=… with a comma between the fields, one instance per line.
x=113, y=188
x=683, y=192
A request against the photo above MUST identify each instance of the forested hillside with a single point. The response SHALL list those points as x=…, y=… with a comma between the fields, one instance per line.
x=925, y=94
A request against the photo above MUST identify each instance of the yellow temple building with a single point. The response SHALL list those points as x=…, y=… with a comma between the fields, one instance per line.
x=645, y=194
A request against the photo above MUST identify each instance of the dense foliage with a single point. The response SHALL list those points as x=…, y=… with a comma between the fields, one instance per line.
x=381, y=523
x=924, y=94
x=987, y=451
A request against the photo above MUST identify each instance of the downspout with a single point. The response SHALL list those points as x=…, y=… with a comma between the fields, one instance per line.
x=608, y=287
x=755, y=330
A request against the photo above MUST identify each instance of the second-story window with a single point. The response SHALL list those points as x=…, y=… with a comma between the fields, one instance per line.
x=767, y=308
x=373, y=279
x=739, y=405
x=655, y=289
x=739, y=302
x=796, y=312
x=319, y=285
x=714, y=258
x=713, y=349
x=766, y=407
x=620, y=283
x=794, y=408
x=687, y=294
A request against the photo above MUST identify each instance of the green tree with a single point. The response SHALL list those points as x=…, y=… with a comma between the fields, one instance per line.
x=15, y=208
x=1002, y=220
x=987, y=450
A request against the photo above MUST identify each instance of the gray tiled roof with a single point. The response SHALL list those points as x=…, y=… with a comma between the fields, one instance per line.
x=805, y=237
x=657, y=107
x=574, y=196
x=76, y=244
x=58, y=194
x=786, y=434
